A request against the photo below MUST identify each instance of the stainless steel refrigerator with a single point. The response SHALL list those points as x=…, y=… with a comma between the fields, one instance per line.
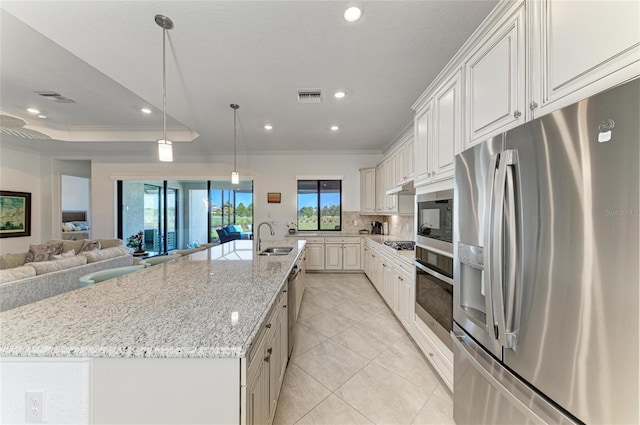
x=546, y=245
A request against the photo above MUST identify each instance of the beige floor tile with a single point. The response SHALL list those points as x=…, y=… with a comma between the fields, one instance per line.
x=328, y=323
x=305, y=338
x=364, y=340
x=333, y=411
x=438, y=410
x=404, y=359
x=382, y=396
x=308, y=309
x=331, y=364
x=300, y=393
x=354, y=311
x=322, y=298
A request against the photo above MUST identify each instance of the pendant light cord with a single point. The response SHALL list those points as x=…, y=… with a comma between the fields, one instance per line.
x=164, y=85
x=235, y=111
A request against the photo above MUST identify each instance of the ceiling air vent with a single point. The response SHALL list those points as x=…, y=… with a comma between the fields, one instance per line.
x=55, y=96
x=309, y=95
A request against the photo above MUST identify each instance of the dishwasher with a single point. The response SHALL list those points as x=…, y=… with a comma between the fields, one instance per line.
x=292, y=313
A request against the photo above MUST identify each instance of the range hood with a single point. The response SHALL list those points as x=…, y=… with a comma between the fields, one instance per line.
x=406, y=188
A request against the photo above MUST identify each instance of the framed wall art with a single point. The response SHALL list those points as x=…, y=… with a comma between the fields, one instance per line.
x=273, y=197
x=15, y=214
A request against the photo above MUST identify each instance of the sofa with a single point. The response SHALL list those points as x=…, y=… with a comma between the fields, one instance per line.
x=54, y=268
x=233, y=232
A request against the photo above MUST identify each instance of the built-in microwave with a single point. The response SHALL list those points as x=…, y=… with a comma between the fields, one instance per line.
x=434, y=216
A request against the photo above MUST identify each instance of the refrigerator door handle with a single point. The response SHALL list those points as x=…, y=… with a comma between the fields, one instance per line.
x=507, y=159
x=487, y=275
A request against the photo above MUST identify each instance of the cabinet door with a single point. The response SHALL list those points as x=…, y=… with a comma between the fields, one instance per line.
x=283, y=325
x=408, y=158
x=398, y=159
x=581, y=48
x=351, y=257
x=368, y=191
x=256, y=412
x=423, y=130
x=388, y=280
x=495, y=77
x=380, y=188
x=315, y=257
x=390, y=174
x=403, y=304
x=448, y=125
x=378, y=272
x=333, y=257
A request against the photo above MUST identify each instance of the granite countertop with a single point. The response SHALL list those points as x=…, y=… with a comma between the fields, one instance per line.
x=183, y=308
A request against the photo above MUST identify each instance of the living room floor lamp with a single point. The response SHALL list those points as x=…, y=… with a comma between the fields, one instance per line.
x=165, y=150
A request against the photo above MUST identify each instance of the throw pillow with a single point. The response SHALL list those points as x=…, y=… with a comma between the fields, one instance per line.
x=64, y=255
x=16, y=273
x=67, y=227
x=90, y=246
x=43, y=252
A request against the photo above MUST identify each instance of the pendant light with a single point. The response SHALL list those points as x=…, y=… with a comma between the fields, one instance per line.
x=235, y=177
x=165, y=150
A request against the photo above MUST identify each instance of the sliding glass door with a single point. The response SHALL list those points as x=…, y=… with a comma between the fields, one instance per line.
x=176, y=214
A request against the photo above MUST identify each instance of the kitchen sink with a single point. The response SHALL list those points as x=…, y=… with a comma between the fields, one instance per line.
x=276, y=250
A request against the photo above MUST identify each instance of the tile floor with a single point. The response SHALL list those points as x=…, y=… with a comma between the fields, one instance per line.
x=353, y=362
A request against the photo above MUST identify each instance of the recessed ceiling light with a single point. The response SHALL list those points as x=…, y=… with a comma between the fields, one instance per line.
x=145, y=110
x=42, y=116
x=335, y=128
x=268, y=127
x=352, y=14
x=33, y=111
x=339, y=94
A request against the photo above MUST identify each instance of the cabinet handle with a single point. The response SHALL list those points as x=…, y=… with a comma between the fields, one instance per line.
x=284, y=290
x=401, y=279
x=533, y=105
x=517, y=114
x=284, y=306
x=431, y=354
x=266, y=359
x=268, y=325
x=269, y=350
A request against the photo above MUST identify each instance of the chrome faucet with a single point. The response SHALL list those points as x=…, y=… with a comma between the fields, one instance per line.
x=259, y=243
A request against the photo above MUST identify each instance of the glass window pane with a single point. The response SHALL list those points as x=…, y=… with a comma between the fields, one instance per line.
x=330, y=205
x=319, y=204
x=307, y=205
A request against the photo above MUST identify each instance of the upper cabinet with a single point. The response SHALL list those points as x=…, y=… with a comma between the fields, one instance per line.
x=581, y=48
x=528, y=58
x=368, y=191
x=438, y=132
x=495, y=80
x=447, y=126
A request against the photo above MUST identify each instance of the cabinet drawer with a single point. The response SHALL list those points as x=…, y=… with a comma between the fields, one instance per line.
x=342, y=239
x=402, y=265
x=314, y=239
x=254, y=355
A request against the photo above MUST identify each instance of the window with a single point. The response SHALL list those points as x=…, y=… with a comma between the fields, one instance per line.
x=320, y=205
x=194, y=210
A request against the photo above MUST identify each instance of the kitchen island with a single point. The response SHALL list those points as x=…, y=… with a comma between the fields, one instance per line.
x=171, y=343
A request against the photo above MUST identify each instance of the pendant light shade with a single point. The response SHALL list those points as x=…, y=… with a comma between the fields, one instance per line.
x=235, y=177
x=165, y=148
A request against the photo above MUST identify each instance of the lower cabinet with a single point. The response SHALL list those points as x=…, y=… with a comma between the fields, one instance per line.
x=267, y=365
x=315, y=256
x=339, y=256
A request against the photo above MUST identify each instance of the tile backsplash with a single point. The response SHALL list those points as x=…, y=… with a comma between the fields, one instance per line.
x=400, y=226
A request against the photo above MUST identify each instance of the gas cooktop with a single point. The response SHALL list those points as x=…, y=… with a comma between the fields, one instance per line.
x=401, y=244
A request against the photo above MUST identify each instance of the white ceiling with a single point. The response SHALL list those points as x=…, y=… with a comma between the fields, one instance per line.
x=107, y=56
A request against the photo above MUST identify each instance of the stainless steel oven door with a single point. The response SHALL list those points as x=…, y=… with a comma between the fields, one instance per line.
x=434, y=301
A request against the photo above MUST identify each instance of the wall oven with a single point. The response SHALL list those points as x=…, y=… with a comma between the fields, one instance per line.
x=434, y=292
x=434, y=217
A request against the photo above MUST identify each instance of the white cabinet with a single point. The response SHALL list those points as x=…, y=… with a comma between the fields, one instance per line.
x=351, y=257
x=403, y=296
x=387, y=282
x=342, y=253
x=333, y=256
x=423, y=134
x=438, y=132
x=267, y=365
x=408, y=157
x=315, y=255
x=447, y=119
x=581, y=48
x=495, y=81
x=368, y=191
x=381, y=188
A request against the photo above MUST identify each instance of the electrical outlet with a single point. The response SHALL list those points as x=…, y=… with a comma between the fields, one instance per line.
x=34, y=405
